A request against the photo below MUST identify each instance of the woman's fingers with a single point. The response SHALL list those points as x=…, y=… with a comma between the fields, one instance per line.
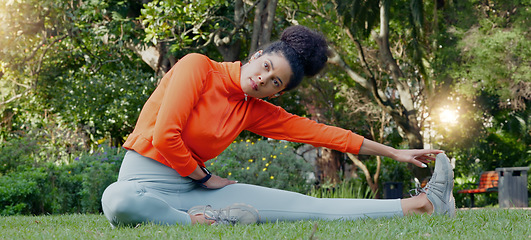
x=420, y=157
x=216, y=182
x=425, y=158
x=419, y=164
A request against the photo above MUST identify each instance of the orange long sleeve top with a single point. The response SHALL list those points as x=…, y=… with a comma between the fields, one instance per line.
x=199, y=108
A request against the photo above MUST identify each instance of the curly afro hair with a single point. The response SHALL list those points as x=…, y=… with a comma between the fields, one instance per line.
x=305, y=50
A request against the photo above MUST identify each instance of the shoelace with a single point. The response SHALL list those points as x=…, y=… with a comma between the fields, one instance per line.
x=221, y=216
x=419, y=189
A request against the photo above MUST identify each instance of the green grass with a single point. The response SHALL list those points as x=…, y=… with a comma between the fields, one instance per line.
x=470, y=224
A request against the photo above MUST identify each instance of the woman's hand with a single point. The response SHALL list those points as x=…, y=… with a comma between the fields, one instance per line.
x=216, y=182
x=418, y=157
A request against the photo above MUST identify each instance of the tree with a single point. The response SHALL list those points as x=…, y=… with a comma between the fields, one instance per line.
x=390, y=67
x=177, y=27
x=64, y=63
x=401, y=106
x=484, y=66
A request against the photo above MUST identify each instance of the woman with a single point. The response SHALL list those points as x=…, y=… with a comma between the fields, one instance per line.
x=201, y=106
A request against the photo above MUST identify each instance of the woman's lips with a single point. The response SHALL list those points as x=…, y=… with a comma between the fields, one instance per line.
x=253, y=84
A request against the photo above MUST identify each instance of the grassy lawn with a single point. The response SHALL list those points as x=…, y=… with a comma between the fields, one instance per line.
x=469, y=224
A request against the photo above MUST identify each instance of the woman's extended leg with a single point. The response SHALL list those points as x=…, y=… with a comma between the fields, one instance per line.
x=150, y=191
x=275, y=204
x=416, y=205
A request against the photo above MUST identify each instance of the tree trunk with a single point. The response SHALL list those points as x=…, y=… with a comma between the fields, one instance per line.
x=406, y=118
x=328, y=166
x=229, y=48
x=264, y=17
x=268, y=21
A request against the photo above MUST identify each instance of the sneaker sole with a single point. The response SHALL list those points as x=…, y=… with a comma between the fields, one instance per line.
x=450, y=175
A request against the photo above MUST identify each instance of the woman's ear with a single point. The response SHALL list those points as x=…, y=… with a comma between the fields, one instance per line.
x=256, y=55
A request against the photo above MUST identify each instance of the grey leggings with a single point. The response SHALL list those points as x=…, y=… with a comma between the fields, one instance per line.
x=148, y=191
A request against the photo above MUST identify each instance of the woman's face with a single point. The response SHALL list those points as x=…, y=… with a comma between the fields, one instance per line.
x=265, y=76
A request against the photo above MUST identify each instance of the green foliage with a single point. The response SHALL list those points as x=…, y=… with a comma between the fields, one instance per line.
x=484, y=66
x=480, y=34
x=507, y=52
x=185, y=25
x=34, y=140
x=360, y=16
x=94, y=80
x=76, y=64
x=345, y=189
x=52, y=188
x=107, y=103
x=100, y=170
x=393, y=171
x=20, y=192
x=16, y=153
x=266, y=163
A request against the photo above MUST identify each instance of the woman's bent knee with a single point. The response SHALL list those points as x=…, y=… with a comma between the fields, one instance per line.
x=129, y=203
x=120, y=203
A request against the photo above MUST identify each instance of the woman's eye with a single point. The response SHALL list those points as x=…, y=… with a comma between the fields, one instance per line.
x=276, y=82
x=266, y=65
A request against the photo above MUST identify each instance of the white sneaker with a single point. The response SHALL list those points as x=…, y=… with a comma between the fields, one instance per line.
x=440, y=187
x=237, y=213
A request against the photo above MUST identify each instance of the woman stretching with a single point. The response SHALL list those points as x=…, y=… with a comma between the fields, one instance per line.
x=201, y=106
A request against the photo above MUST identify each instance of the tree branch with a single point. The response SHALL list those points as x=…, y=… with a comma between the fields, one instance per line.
x=13, y=98
x=358, y=163
x=336, y=59
x=41, y=58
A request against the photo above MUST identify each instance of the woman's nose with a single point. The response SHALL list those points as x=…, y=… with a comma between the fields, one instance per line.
x=260, y=80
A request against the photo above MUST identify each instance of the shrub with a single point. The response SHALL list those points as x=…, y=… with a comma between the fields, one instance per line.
x=20, y=192
x=64, y=184
x=77, y=187
x=16, y=152
x=102, y=167
x=266, y=163
x=57, y=188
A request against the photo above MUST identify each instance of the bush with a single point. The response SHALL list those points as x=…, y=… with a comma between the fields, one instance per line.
x=266, y=163
x=76, y=187
x=20, y=192
x=64, y=184
x=101, y=169
x=16, y=152
x=61, y=188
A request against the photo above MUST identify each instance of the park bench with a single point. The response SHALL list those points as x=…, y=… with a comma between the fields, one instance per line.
x=488, y=182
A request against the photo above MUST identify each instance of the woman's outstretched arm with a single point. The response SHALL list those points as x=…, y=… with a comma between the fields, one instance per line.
x=418, y=157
